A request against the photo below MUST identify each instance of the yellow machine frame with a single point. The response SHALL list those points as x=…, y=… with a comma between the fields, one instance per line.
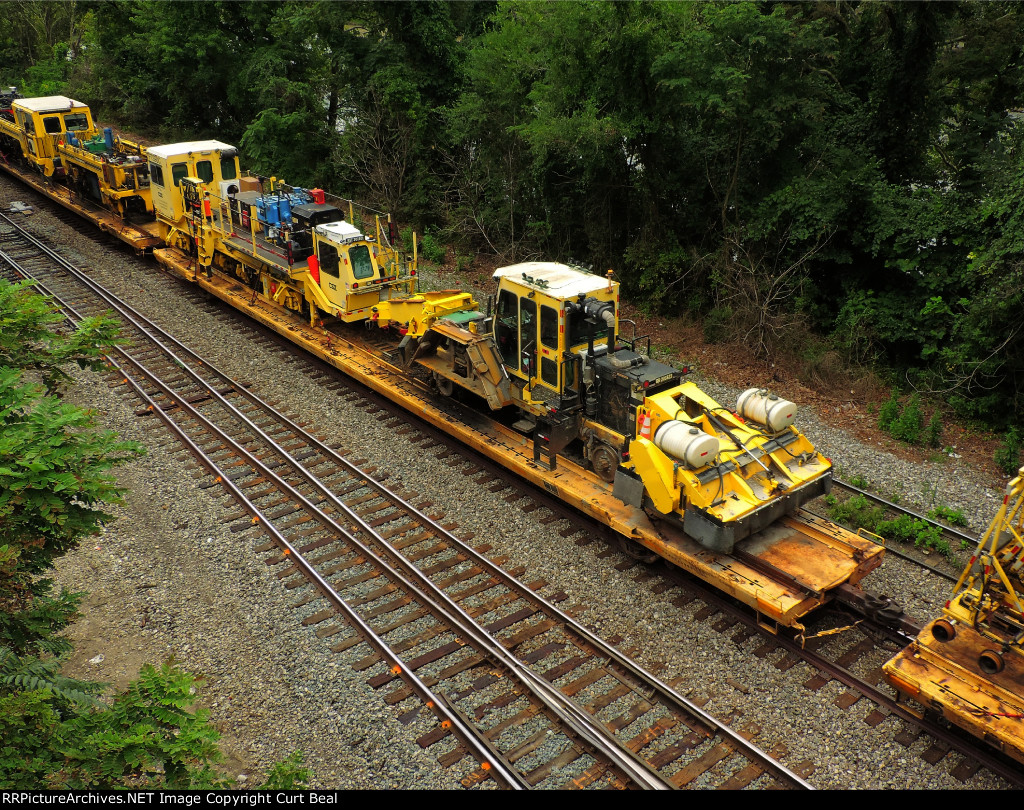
x=755, y=477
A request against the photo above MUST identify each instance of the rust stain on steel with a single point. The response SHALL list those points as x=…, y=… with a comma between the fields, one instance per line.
x=946, y=676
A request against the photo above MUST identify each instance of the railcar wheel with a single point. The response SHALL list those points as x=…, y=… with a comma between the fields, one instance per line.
x=444, y=385
x=991, y=662
x=605, y=461
x=638, y=552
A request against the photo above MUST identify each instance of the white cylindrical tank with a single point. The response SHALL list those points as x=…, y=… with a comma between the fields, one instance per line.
x=757, y=405
x=691, y=445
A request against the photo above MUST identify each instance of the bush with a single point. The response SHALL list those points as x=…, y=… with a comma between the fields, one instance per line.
x=954, y=517
x=857, y=513
x=434, y=250
x=1008, y=453
x=910, y=423
x=889, y=413
x=718, y=325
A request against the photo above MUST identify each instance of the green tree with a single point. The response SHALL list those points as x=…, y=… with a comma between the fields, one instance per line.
x=55, y=467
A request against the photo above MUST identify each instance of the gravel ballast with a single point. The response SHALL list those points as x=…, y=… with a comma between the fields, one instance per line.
x=167, y=578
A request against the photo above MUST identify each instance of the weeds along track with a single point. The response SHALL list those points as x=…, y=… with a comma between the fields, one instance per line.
x=478, y=661
x=952, y=537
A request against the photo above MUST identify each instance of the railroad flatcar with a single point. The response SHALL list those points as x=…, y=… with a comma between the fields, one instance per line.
x=968, y=664
x=586, y=411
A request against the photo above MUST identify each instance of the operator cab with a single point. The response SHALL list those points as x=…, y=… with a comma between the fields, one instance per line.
x=545, y=316
x=355, y=273
x=212, y=163
x=47, y=122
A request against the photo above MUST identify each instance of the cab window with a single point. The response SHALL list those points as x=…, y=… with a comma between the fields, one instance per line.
x=549, y=327
x=74, y=122
x=228, y=170
x=52, y=124
x=506, y=329
x=30, y=124
x=204, y=171
x=528, y=333
x=362, y=265
x=329, y=259
x=156, y=173
x=178, y=172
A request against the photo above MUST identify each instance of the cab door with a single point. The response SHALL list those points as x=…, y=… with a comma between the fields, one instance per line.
x=330, y=273
x=506, y=330
x=550, y=350
x=528, y=338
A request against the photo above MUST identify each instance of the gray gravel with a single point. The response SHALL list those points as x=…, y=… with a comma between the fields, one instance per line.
x=169, y=579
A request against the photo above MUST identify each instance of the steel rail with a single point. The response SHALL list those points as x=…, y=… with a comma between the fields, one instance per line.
x=667, y=693
x=468, y=734
x=580, y=721
x=844, y=676
x=956, y=533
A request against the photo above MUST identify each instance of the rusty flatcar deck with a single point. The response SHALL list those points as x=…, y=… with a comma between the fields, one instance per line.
x=945, y=676
x=783, y=572
x=140, y=237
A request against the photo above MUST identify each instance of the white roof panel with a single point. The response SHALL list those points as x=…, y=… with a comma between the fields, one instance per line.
x=48, y=104
x=557, y=278
x=340, y=231
x=174, y=149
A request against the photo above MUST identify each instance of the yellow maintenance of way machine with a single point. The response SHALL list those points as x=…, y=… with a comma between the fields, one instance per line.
x=541, y=379
x=969, y=664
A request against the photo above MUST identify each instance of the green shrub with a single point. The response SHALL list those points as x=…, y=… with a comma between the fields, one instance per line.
x=434, y=250
x=889, y=413
x=910, y=423
x=954, y=517
x=1008, y=453
x=857, y=513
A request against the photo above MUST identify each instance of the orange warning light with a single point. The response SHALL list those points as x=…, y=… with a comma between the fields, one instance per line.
x=485, y=766
x=446, y=724
x=396, y=670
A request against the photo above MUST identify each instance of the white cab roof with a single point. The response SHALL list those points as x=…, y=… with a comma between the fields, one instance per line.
x=560, y=279
x=340, y=231
x=175, y=149
x=48, y=104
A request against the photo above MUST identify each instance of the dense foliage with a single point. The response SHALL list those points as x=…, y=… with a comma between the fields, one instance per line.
x=56, y=484
x=847, y=170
